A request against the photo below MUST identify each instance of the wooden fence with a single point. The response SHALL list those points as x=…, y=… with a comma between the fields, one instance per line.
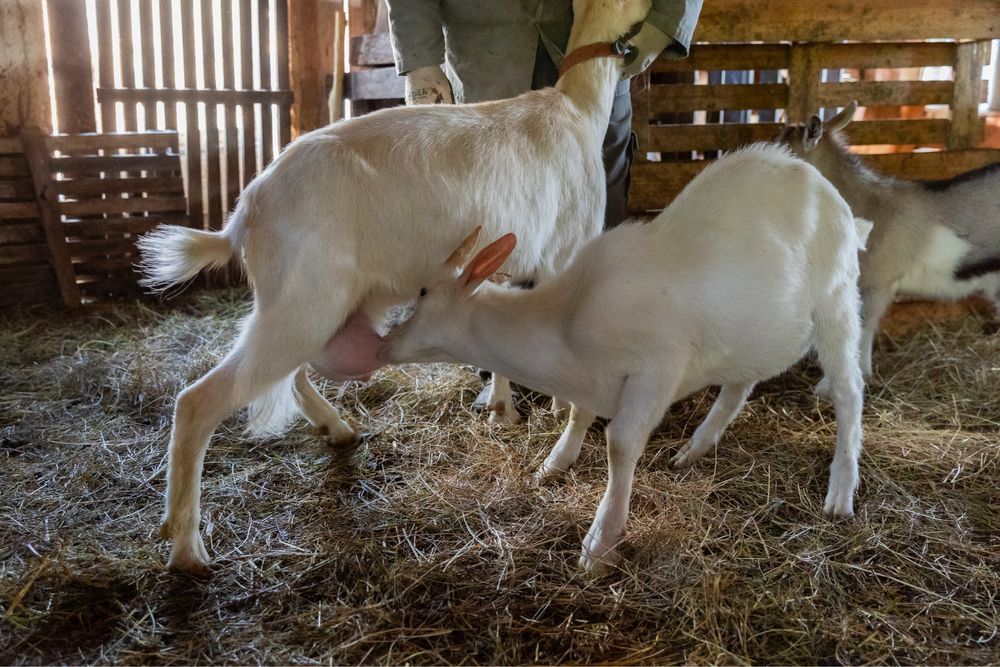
x=217, y=71
x=72, y=207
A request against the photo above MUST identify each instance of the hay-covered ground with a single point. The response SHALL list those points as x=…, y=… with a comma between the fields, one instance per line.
x=430, y=544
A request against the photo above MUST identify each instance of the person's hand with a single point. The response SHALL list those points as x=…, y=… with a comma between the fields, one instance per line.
x=649, y=42
x=427, y=85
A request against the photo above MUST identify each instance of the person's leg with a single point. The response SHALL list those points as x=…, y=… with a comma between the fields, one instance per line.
x=619, y=146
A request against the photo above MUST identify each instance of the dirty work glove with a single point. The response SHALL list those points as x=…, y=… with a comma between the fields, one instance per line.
x=427, y=85
x=649, y=42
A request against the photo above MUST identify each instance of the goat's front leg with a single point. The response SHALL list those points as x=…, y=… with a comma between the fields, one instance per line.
x=641, y=406
x=567, y=449
x=732, y=398
x=875, y=301
x=500, y=402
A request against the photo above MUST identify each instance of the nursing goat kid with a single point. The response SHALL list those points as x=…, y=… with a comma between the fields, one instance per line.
x=348, y=221
x=753, y=264
x=930, y=239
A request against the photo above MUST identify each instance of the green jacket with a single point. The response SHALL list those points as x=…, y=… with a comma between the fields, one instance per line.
x=488, y=47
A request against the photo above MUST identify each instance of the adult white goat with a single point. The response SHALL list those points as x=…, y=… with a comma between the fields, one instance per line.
x=347, y=222
x=914, y=248
x=755, y=262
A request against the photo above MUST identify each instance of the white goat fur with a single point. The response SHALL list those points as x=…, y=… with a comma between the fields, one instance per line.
x=349, y=217
x=753, y=264
x=913, y=250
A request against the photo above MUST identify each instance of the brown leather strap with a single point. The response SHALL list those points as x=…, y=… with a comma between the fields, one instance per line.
x=589, y=52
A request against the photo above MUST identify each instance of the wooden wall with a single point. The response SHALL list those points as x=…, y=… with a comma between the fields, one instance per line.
x=24, y=93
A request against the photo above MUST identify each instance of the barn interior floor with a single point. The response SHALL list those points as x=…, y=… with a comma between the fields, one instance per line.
x=431, y=544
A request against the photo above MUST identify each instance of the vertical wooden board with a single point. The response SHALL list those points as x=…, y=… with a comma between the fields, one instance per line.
x=38, y=162
x=267, y=113
x=233, y=114
x=212, y=152
x=73, y=80
x=246, y=75
x=105, y=63
x=191, y=119
x=24, y=82
x=167, y=53
x=281, y=47
x=336, y=99
x=804, y=79
x=306, y=49
x=146, y=33
x=965, y=124
x=127, y=62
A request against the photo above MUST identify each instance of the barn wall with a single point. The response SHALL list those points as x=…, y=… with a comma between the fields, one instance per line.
x=24, y=90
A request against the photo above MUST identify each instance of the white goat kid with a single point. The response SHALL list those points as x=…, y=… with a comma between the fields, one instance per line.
x=345, y=223
x=753, y=264
x=914, y=248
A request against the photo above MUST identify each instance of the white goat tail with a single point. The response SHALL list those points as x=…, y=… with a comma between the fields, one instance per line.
x=172, y=254
x=864, y=228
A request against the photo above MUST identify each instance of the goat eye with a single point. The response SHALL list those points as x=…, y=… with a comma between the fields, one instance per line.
x=423, y=291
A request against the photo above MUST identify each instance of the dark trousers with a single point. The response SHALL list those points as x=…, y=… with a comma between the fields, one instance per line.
x=619, y=142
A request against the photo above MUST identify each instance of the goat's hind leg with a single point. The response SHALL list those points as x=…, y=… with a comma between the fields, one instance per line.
x=836, y=340
x=567, y=449
x=318, y=411
x=732, y=398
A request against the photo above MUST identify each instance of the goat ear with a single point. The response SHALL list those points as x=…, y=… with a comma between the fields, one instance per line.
x=813, y=133
x=499, y=278
x=487, y=262
x=842, y=119
x=458, y=258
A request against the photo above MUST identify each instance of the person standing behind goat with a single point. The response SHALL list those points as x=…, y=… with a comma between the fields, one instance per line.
x=495, y=49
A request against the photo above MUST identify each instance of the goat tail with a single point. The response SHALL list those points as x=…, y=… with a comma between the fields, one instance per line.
x=863, y=227
x=270, y=413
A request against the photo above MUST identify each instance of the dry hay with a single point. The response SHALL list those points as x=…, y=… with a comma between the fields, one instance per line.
x=430, y=544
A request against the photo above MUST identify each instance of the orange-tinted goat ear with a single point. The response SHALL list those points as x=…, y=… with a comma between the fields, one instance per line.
x=458, y=258
x=488, y=261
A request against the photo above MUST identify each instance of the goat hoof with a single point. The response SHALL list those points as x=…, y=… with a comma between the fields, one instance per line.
x=547, y=473
x=337, y=434
x=189, y=556
x=502, y=413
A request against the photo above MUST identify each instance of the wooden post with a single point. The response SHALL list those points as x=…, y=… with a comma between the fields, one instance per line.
x=803, y=84
x=41, y=175
x=73, y=78
x=994, y=103
x=965, y=124
x=306, y=51
x=24, y=74
x=335, y=103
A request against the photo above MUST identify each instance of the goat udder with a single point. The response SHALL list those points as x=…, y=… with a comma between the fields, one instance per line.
x=351, y=353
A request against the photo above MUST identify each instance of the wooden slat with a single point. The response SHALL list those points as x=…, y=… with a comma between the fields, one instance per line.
x=229, y=10
x=72, y=76
x=693, y=97
x=113, y=186
x=41, y=273
x=114, y=205
x=965, y=125
x=146, y=32
x=111, y=246
x=683, y=138
x=247, y=108
x=90, y=228
x=13, y=165
x=26, y=254
x=193, y=133
x=213, y=168
x=11, y=145
x=891, y=55
x=105, y=61
x=195, y=96
x=804, y=76
x=125, y=61
x=847, y=20
x=885, y=93
x=726, y=56
x=16, y=189
x=919, y=132
x=19, y=209
x=40, y=290
x=111, y=264
x=167, y=54
x=34, y=148
x=375, y=84
x=27, y=233
x=115, y=163
x=932, y=165
x=371, y=50
x=267, y=114
x=77, y=143
x=654, y=184
x=281, y=46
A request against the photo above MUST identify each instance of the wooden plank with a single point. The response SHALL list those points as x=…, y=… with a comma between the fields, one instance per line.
x=284, y=78
x=304, y=65
x=804, y=77
x=11, y=145
x=111, y=264
x=676, y=138
x=90, y=187
x=374, y=51
x=19, y=209
x=115, y=205
x=115, y=163
x=105, y=63
x=885, y=93
x=192, y=139
x=126, y=61
x=146, y=33
x=231, y=129
x=34, y=148
x=375, y=84
x=16, y=189
x=932, y=165
x=90, y=228
x=27, y=233
x=335, y=101
x=213, y=173
x=887, y=54
x=77, y=143
x=167, y=56
x=88, y=249
x=694, y=97
x=247, y=108
x=72, y=76
x=723, y=56
x=39, y=273
x=24, y=293
x=846, y=20
x=26, y=254
x=13, y=165
x=919, y=132
x=24, y=67
x=965, y=125
x=655, y=184
x=209, y=97
x=266, y=82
